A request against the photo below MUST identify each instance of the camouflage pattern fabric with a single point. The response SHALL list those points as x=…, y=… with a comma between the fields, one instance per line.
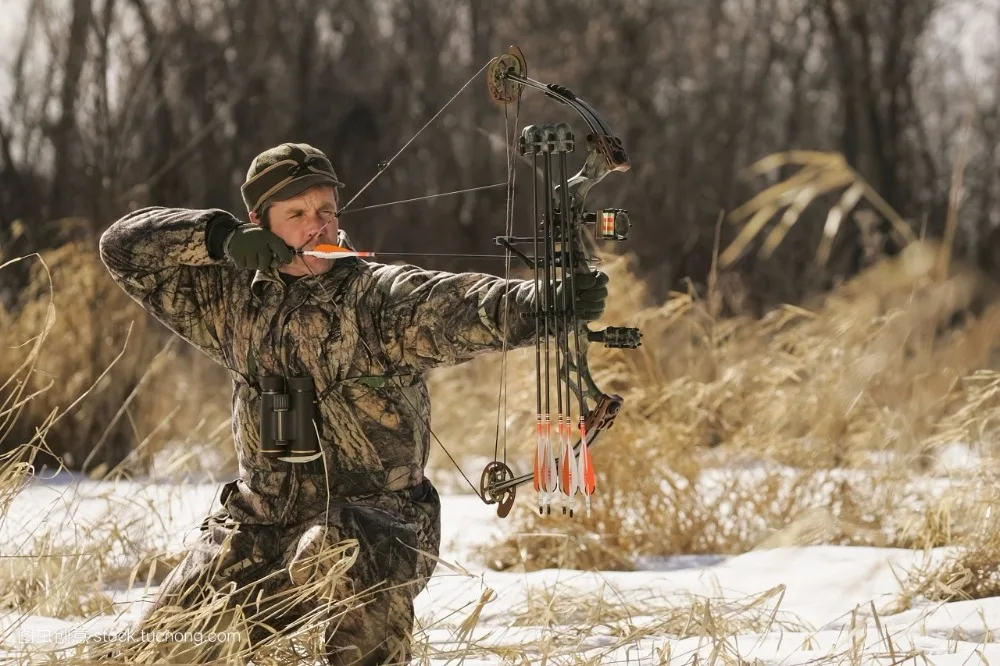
x=366, y=333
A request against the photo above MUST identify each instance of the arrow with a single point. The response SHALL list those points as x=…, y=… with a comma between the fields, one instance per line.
x=326, y=251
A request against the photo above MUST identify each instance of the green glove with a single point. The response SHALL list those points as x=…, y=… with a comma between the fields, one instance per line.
x=591, y=292
x=253, y=247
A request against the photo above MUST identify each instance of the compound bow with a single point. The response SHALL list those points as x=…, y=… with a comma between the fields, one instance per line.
x=560, y=253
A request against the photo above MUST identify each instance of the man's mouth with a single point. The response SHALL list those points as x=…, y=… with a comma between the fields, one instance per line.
x=312, y=244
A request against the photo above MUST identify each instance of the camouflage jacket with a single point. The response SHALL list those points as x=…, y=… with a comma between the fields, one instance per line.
x=365, y=332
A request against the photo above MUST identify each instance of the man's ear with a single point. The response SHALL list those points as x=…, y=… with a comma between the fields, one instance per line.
x=255, y=219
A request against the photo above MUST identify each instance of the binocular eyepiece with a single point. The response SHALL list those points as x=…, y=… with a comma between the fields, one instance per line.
x=287, y=419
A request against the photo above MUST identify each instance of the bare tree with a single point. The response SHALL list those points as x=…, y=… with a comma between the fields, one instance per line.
x=64, y=132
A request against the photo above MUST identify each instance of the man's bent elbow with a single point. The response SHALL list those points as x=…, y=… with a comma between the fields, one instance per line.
x=117, y=243
x=106, y=247
x=111, y=251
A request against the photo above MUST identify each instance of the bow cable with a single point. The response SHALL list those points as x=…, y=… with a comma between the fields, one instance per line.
x=385, y=165
x=508, y=230
x=341, y=213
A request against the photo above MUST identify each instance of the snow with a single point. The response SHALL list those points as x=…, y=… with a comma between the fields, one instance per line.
x=781, y=606
x=958, y=457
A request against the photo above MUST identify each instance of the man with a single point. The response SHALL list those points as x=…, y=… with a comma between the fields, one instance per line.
x=362, y=335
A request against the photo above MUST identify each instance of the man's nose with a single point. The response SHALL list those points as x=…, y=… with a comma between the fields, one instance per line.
x=315, y=222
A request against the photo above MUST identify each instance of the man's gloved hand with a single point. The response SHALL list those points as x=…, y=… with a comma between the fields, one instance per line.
x=254, y=247
x=591, y=293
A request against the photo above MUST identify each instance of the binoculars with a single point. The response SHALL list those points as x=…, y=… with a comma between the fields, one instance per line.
x=287, y=419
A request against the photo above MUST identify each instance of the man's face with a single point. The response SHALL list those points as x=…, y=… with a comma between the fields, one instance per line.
x=303, y=222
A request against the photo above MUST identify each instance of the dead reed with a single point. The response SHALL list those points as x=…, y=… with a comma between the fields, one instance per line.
x=73, y=329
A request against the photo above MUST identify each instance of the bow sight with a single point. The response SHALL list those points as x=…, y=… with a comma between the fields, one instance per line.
x=613, y=224
x=560, y=252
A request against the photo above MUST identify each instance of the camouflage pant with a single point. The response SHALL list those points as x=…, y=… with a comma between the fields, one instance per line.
x=260, y=581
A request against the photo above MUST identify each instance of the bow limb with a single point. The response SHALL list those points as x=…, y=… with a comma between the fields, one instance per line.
x=508, y=75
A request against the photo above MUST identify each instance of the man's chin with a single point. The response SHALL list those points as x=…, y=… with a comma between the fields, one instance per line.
x=318, y=265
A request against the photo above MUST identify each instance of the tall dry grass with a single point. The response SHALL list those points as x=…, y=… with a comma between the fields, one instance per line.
x=126, y=390
x=89, y=381
x=814, y=424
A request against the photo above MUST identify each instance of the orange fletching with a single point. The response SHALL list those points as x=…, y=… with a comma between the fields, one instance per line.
x=589, y=483
x=566, y=474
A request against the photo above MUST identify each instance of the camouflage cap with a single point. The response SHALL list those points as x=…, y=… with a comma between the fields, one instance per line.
x=284, y=171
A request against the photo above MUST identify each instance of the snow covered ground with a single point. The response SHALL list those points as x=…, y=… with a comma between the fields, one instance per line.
x=783, y=606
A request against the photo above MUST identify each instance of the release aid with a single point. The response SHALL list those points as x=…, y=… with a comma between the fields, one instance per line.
x=288, y=429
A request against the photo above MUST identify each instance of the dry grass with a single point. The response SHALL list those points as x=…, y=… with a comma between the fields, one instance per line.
x=72, y=332
x=77, y=355
x=819, y=174
x=562, y=623
x=827, y=423
x=971, y=569
x=570, y=627
x=811, y=425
